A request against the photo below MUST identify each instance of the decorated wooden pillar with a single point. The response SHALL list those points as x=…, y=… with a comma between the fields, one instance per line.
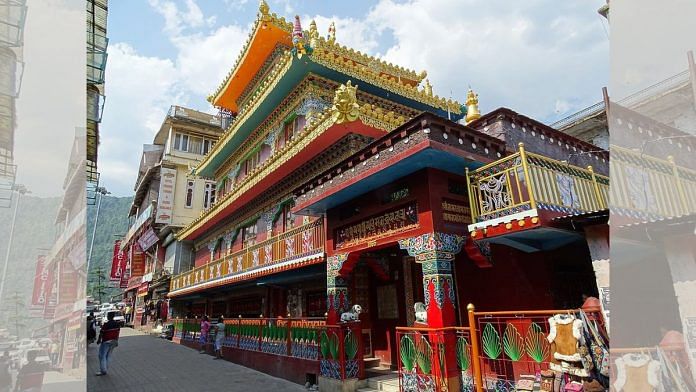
x=435, y=252
x=336, y=288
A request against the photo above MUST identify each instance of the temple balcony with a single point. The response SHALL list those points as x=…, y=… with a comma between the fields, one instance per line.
x=515, y=200
x=292, y=249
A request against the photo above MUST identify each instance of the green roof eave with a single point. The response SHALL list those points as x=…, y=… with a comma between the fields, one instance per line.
x=298, y=70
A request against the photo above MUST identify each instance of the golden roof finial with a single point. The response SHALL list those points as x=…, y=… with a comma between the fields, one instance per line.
x=472, y=109
x=264, y=9
x=428, y=88
x=313, y=34
x=332, y=33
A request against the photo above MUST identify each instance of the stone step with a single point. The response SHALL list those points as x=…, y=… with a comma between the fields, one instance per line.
x=371, y=362
x=386, y=383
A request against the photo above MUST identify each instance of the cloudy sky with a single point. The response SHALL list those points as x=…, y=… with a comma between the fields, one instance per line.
x=545, y=59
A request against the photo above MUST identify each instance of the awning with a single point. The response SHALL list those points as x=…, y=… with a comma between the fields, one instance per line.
x=143, y=289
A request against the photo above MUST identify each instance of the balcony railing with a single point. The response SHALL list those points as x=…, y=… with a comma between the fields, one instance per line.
x=303, y=241
x=195, y=115
x=649, y=187
x=525, y=181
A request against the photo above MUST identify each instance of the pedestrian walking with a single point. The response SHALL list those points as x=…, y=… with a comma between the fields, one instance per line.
x=30, y=376
x=5, y=376
x=128, y=313
x=219, y=336
x=108, y=340
x=205, y=328
x=53, y=349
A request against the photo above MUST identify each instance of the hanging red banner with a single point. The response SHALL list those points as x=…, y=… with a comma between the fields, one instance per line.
x=117, y=262
x=38, y=296
x=49, y=309
x=125, y=270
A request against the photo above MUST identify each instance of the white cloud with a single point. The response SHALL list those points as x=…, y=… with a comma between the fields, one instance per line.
x=541, y=58
x=140, y=89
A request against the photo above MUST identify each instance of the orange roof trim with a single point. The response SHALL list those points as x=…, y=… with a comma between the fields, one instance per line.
x=265, y=39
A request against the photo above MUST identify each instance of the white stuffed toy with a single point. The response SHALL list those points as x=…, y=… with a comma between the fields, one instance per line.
x=421, y=312
x=352, y=314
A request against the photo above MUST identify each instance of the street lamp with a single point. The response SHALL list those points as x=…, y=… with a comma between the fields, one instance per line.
x=101, y=191
x=21, y=190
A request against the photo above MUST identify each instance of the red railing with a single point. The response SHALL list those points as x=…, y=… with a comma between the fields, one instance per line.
x=495, y=352
x=336, y=348
x=435, y=359
x=340, y=351
x=302, y=241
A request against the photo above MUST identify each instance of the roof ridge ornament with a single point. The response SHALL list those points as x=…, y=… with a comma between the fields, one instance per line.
x=331, y=38
x=264, y=10
x=345, y=104
x=299, y=43
x=472, y=109
x=313, y=34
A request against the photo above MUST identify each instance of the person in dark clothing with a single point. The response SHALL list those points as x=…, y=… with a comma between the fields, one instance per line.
x=91, y=330
x=5, y=376
x=30, y=376
x=108, y=340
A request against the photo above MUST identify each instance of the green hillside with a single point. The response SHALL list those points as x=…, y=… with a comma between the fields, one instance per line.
x=112, y=225
x=33, y=235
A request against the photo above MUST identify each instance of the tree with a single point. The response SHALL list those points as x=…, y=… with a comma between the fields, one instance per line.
x=17, y=312
x=99, y=284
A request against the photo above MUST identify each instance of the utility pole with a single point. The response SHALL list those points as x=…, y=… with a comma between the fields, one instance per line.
x=101, y=191
x=21, y=190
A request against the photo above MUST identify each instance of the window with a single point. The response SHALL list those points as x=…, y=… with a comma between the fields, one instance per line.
x=249, y=234
x=206, y=146
x=189, y=193
x=192, y=144
x=252, y=161
x=289, y=218
x=209, y=196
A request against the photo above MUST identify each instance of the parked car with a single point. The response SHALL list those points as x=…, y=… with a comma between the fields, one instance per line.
x=42, y=358
x=25, y=344
x=101, y=312
x=167, y=331
x=118, y=317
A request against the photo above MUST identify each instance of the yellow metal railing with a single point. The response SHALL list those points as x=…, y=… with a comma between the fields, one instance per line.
x=299, y=242
x=524, y=181
x=650, y=187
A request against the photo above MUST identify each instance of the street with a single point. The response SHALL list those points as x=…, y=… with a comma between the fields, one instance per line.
x=146, y=363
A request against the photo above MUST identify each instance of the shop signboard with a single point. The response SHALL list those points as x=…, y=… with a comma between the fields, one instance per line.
x=148, y=239
x=143, y=289
x=67, y=292
x=49, y=309
x=165, y=198
x=378, y=226
x=137, y=262
x=126, y=268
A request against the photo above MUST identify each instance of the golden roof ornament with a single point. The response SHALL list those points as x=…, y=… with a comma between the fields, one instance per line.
x=428, y=88
x=332, y=33
x=345, y=104
x=472, y=109
x=264, y=10
x=313, y=34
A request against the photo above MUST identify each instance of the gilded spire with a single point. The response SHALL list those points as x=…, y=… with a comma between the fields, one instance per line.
x=263, y=9
x=332, y=33
x=313, y=34
x=472, y=109
x=428, y=88
x=298, y=40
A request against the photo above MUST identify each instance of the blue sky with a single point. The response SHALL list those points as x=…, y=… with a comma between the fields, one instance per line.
x=543, y=58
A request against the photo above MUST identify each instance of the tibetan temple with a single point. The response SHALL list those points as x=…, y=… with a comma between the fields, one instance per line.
x=358, y=216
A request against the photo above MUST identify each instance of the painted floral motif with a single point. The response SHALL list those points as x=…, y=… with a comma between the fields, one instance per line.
x=431, y=246
x=307, y=241
x=442, y=288
x=268, y=254
x=290, y=246
x=255, y=256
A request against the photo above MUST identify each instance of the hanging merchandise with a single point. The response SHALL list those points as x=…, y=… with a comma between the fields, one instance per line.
x=566, y=335
x=525, y=383
x=637, y=373
x=547, y=378
x=573, y=386
x=598, y=347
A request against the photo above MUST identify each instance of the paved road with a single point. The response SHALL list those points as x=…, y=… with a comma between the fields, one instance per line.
x=145, y=363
